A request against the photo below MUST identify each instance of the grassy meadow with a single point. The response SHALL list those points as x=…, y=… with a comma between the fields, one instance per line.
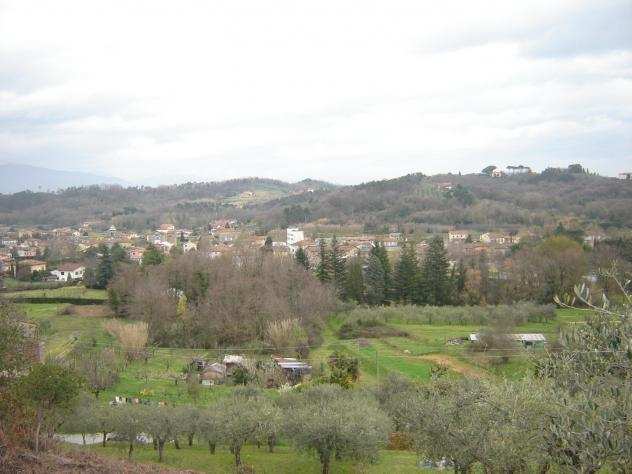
x=414, y=355
x=284, y=460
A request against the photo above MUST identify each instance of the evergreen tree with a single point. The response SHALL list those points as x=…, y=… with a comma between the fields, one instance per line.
x=436, y=286
x=105, y=269
x=302, y=258
x=323, y=269
x=337, y=266
x=379, y=251
x=268, y=245
x=375, y=278
x=152, y=256
x=118, y=254
x=406, y=278
x=354, y=281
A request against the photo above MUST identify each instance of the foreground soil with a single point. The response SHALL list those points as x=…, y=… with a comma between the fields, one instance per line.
x=70, y=461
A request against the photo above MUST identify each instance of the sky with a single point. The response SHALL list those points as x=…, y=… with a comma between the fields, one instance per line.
x=157, y=92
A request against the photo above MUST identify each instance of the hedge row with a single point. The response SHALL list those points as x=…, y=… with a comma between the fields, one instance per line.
x=56, y=300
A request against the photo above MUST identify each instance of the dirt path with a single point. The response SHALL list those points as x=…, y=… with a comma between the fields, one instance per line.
x=456, y=365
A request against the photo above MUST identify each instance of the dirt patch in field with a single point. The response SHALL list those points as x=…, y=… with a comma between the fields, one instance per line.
x=89, y=311
x=455, y=365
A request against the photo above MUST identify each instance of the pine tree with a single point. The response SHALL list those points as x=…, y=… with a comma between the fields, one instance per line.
x=406, y=278
x=301, y=258
x=380, y=252
x=354, y=281
x=105, y=270
x=337, y=266
x=323, y=268
x=118, y=254
x=436, y=286
x=375, y=278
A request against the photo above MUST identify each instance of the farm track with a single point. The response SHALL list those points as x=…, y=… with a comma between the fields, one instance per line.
x=455, y=365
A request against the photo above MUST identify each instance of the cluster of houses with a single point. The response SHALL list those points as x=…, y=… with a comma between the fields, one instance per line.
x=211, y=373
x=22, y=251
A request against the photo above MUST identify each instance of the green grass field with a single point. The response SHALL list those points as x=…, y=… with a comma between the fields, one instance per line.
x=283, y=460
x=60, y=331
x=413, y=356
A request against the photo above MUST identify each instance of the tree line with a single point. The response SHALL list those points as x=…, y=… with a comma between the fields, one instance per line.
x=375, y=281
x=193, y=300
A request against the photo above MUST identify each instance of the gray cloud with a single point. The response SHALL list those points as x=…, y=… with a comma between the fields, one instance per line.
x=291, y=93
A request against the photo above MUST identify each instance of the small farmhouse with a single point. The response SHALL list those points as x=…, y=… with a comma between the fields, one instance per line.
x=69, y=272
x=527, y=340
x=293, y=369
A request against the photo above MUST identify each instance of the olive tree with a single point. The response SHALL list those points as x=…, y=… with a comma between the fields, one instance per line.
x=188, y=421
x=80, y=420
x=129, y=421
x=103, y=418
x=209, y=427
x=162, y=424
x=591, y=376
x=240, y=419
x=332, y=422
x=446, y=422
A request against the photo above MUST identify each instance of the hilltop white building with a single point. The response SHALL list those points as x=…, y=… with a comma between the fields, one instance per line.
x=294, y=236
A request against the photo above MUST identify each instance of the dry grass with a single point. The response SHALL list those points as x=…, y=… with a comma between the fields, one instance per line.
x=284, y=335
x=132, y=337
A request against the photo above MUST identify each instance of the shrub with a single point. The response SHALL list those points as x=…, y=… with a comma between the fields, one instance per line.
x=368, y=328
x=516, y=314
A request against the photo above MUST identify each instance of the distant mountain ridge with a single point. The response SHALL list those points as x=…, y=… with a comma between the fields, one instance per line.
x=16, y=177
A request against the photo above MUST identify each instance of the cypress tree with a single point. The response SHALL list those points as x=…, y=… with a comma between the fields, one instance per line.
x=375, y=278
x=436, y=286
x=105, y=270
x=323, y=268
x=302, y=258
x=459, y=277
x=406, y=278
x=337, y=266
x=354, y=281
x=380, y=252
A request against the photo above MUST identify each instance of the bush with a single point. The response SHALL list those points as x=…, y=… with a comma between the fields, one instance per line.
x=368, y=328
x=516, y=314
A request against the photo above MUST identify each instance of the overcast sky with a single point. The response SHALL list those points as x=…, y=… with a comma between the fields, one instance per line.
x=347, y=91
